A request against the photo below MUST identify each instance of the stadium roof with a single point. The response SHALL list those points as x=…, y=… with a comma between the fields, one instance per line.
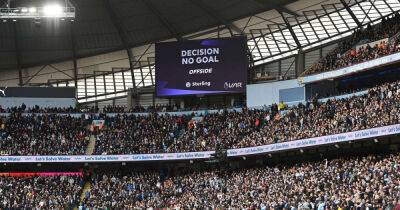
x=106, y=25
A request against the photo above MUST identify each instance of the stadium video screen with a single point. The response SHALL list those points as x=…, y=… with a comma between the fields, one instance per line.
x=211, y=66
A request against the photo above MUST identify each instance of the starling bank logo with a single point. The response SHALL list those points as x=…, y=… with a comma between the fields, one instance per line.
x=230, y=85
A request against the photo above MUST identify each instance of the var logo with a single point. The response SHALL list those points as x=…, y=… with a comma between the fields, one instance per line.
x=230, y=85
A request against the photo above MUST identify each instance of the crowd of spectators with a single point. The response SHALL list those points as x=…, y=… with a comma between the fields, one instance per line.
x=41, y=192
x=114, y=109
x=64, y=134
x=357, y=182
x=43, y=134
x=369, y=182
x=345, y=53
x=128, y=134
x=161, y=108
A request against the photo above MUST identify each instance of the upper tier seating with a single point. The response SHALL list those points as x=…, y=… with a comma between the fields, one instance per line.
x=345, y=54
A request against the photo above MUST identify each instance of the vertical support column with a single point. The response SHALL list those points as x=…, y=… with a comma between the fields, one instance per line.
x=279, y=68
x=129, y=99
x=20, y=82
x=320, y=52
x=75, y=73
x=131, y=67
x=74, y=60
x=154, y=99
x=18, y=55
x=300, y=62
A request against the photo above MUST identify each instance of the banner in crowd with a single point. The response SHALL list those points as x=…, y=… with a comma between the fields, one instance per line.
x=32, y=174
x=97, y=124
x=298, y=144
x=106, y=158
x=317, y=141
x=389, y=59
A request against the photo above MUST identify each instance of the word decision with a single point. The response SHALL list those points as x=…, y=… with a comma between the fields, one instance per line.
x=198, y=56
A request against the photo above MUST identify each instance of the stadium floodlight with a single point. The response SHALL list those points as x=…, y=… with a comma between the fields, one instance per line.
x=32, y=10
x=66, y=11
x=52, y=10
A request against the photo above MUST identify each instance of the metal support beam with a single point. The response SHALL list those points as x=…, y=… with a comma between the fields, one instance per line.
x=265, y=41
x=113, y=80
x=302, y=30
x=330, y=19
x=341, y=17
x=391, y=9
x=311, y=26
x=365, y=12
x=320, y=22
x=373, y=5
x=300, y=63
x=172, y=30
x=131, y=67
x=33, y=76
x=74, y=59
x=200, y=34
x=59, y=70
x=289, y=27
x=256, y=44
x=351, y=13
x=141, y=73
x=247, y=24
x=274, y=39
x=17, y=54
x=117, y=24
x=214, y=14
x=151, y=67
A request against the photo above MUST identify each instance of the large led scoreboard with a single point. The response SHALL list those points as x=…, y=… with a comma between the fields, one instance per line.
x=211, y=66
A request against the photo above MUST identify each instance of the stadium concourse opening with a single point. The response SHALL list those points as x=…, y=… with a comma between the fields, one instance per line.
x=200, y=104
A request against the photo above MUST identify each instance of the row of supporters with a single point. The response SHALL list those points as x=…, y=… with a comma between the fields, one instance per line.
x=347, y=53
x=154, y=133
x=107, y=109
x=360, y=182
